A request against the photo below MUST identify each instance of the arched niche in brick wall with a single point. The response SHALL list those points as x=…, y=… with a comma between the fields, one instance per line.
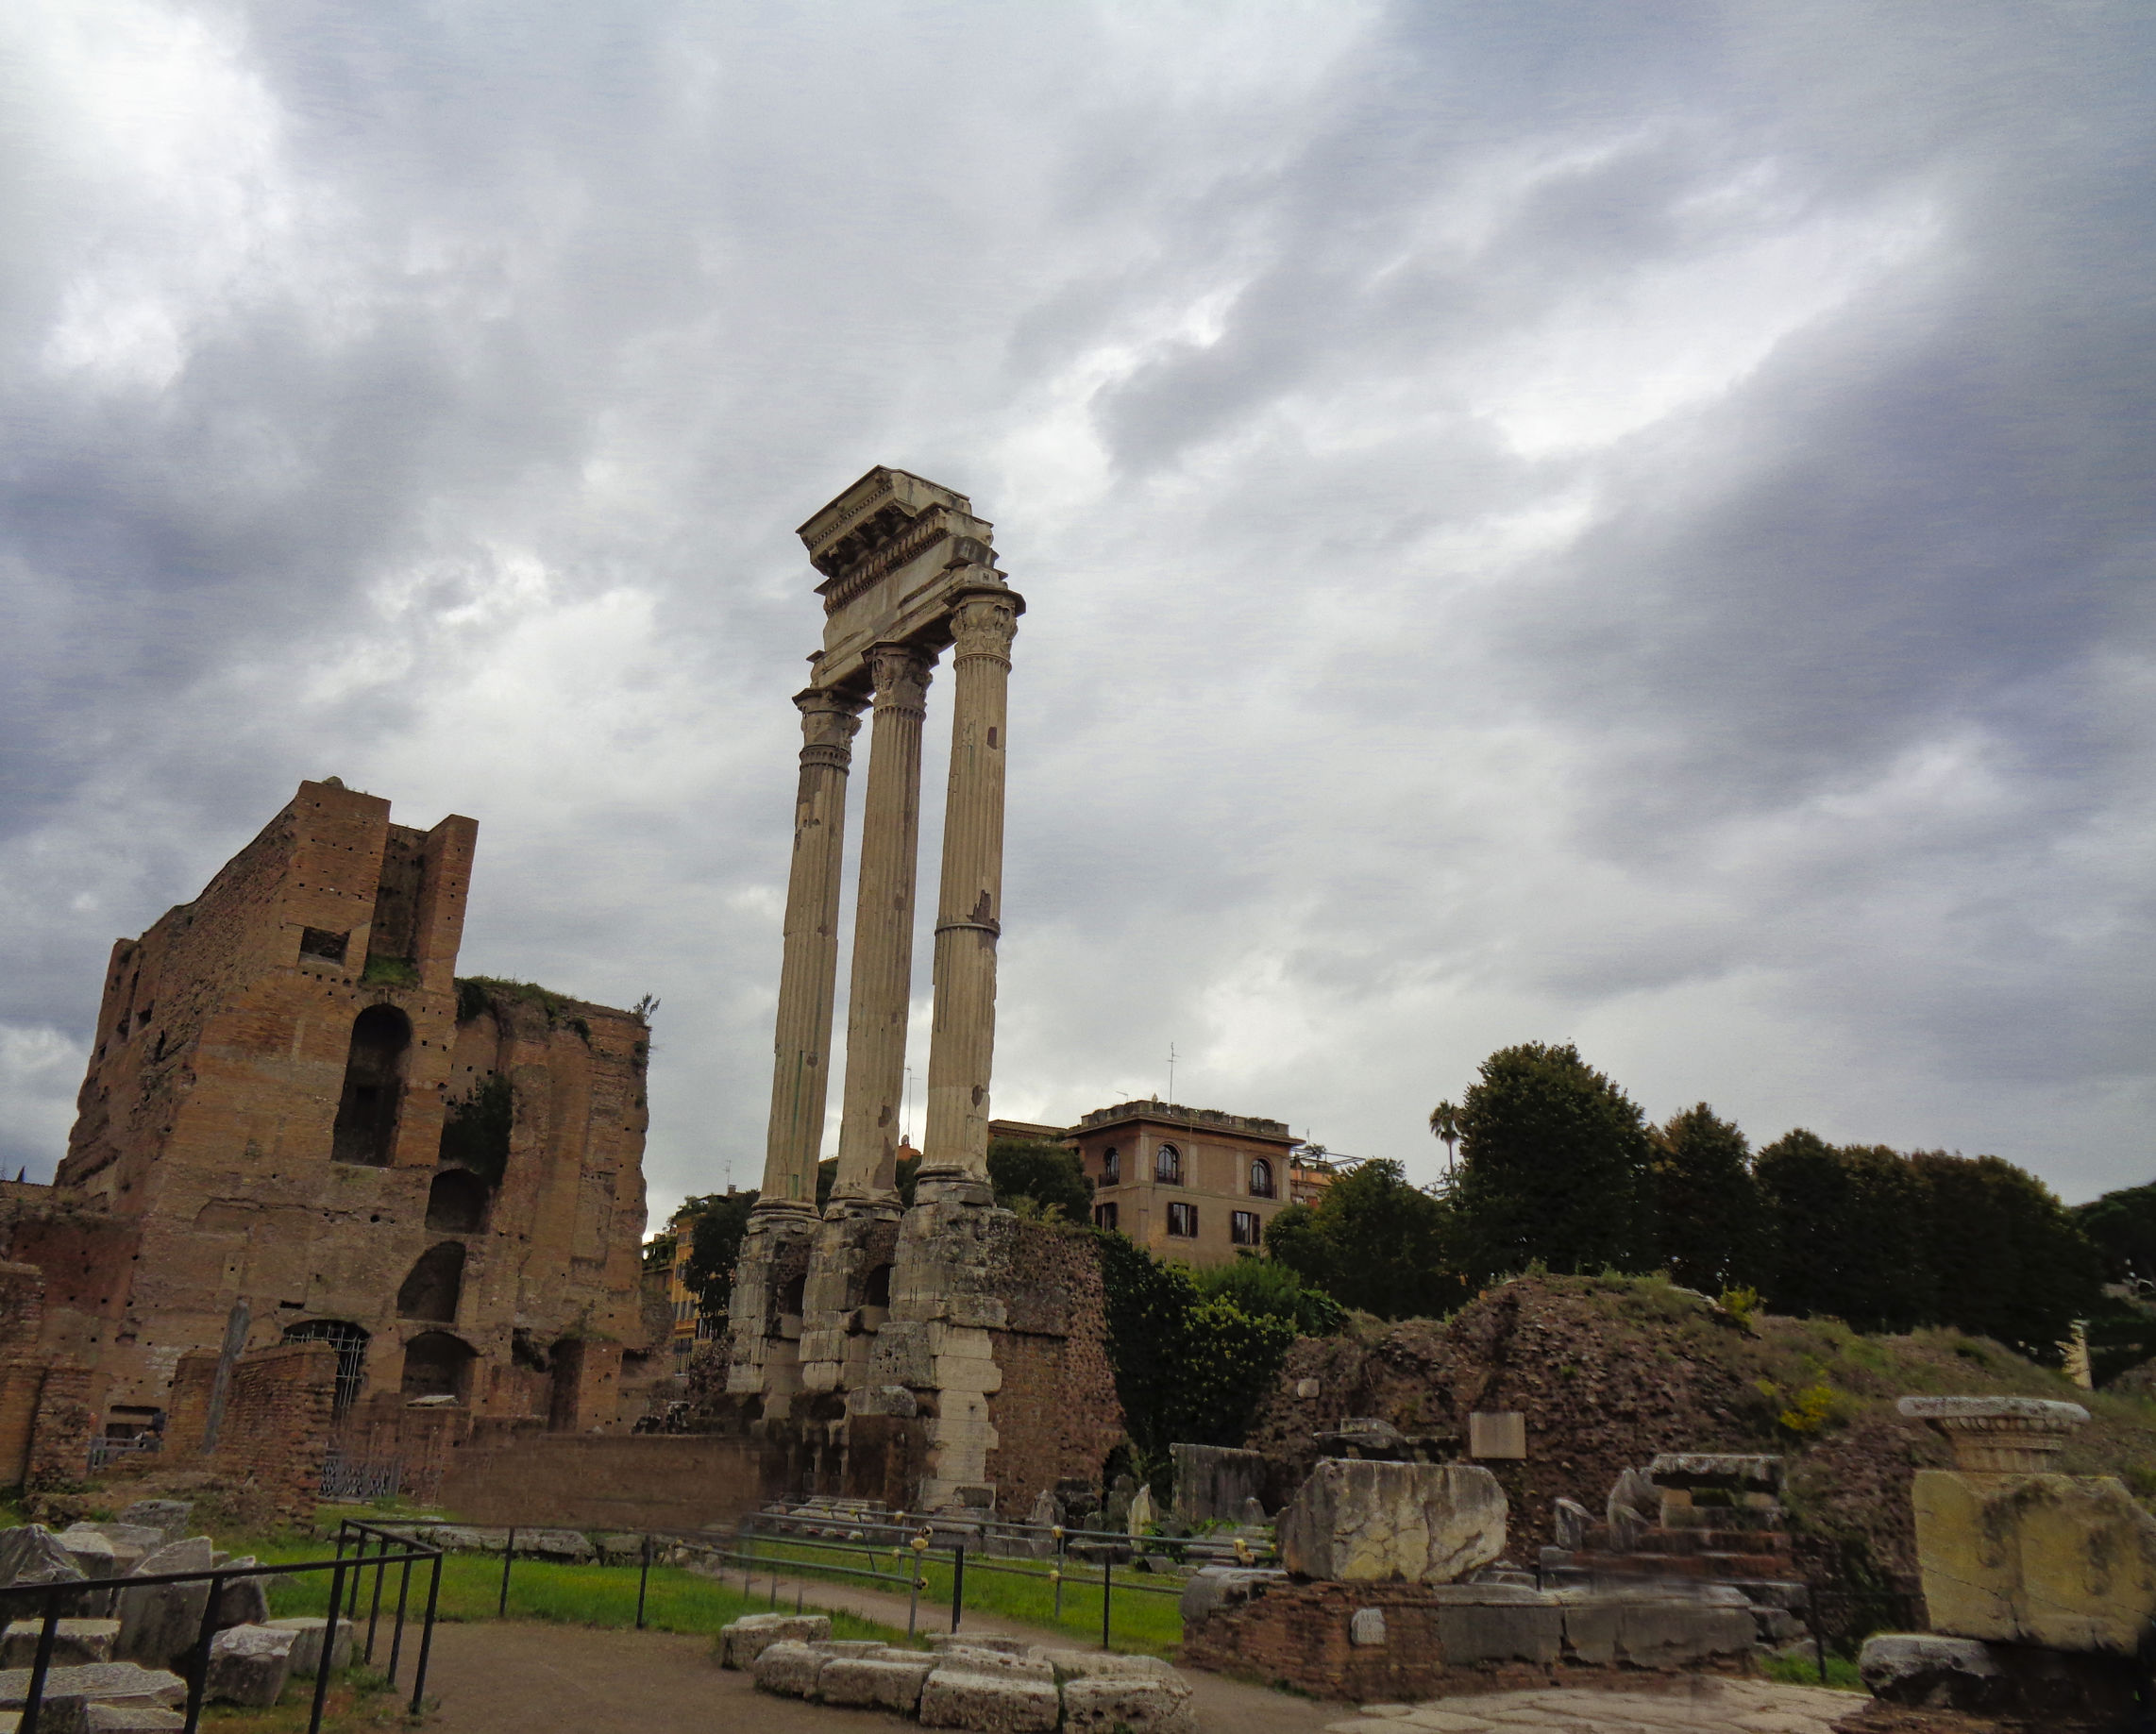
x=438, y=1365
x=350, y=1342
x=435, y=1284
x=456, y=1203
x=373, y=1079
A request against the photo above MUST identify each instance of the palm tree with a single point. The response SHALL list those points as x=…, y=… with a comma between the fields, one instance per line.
x=1444, y=1126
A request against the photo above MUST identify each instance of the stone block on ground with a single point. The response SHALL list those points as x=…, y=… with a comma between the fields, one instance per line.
x=742, y=1643
x=991, y=1693
x=788, y=1667
x=1219, y=1585
x=168, y=1517
x=130, y=1719
x=2065, y=1562
x=555, y=1543
x=989, y=1641
x=1365, y=1522
x=69, y=1690
x=620, y=1549
x=94, y=1555
x=137, y=1538
x=1139, y=1693
x=75, y=1642
x=160, y=1623
x=1498, y=1623
x=1664, y=1632
x=249, y=1665
x=33, y=1555
x=1931, y=1671
x=243, y=1601
x=307, y=1641
x=886, y=1679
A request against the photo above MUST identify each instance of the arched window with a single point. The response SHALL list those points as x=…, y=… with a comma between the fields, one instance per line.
x=350, y=1342
x=1168, y=1166
x=436, y=1281
x=374, y=1075
x=1260, y=1178
x=1111, y=1166
x=437, y=1365
x=456, y=1203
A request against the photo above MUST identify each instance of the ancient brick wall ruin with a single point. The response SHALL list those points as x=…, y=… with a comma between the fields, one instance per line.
x=260, y=1148
x=1055, y=1413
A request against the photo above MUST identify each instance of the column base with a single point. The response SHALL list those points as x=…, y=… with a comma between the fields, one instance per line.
x=888, y=1205
x=952, y=1186
x=776, y=1210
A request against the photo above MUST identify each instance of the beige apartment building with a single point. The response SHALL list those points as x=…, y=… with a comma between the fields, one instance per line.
x=1194, y=1184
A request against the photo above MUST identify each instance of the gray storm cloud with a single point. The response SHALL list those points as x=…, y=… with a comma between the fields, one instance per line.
x=1625, y=525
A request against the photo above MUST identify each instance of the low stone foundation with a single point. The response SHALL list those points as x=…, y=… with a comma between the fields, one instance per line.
x=1394, y=1642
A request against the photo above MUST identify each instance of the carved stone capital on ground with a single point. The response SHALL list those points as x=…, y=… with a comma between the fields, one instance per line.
x=2000, y=1435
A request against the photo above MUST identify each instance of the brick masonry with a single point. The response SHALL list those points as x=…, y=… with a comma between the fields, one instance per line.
x=625, y=1481
x=248, y=1138
x=1297, y=1635
x=1055, y=1413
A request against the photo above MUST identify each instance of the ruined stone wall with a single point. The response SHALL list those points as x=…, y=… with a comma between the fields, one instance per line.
x=1055, y=1413
x=60, y=1436
x=233, y=1147
x=626, y=1481
x=275, y=1430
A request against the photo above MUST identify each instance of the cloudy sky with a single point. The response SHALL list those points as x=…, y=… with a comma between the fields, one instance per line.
x=1627, y=524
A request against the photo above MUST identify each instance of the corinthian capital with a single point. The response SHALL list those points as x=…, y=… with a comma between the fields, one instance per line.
x=829, y=723
x=984, y=622
x=900, y=673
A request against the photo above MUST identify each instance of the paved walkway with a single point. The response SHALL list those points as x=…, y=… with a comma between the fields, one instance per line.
x=1702, y=1705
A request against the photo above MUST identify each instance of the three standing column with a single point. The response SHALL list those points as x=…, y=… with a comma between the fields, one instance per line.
x=881, y=991
x=809, y=973
x=969, y=919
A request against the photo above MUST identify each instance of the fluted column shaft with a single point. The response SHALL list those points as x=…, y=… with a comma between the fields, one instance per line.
x=808, y=975
x=969, y=906
x=883, y=926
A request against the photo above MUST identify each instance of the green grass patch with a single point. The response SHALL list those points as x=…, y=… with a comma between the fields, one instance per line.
x=1015, y=1590
x=1804, y=1670
x=675, y=1600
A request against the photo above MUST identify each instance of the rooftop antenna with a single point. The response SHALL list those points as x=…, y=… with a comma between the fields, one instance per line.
x=1172, y=1071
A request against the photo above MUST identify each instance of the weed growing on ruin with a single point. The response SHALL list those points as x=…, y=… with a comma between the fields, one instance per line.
x=389, y=972
x=1742, y=1304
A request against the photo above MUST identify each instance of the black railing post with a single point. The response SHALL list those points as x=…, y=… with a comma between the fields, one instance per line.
x=359, y=1571
x=199, y=1678
x=328, y=1640
x=957, y=1583
x=403, y=1594
x=426, y=1638
x=41, y=1665
x=1107, y=1591
x=507, y=1554
x=643, y=1582
x=374, y=1608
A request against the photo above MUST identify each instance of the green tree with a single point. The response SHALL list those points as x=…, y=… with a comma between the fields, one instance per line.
x=1845, y=1233
x=1706, y=1206
x=1049, y=1174
x=1373, y=1241
x=1444, y=1127
x=715, y=1223
x=2123, y=1226
x=2007, y=1258
x=1554, y=1167
x=1264, y=1288
x=1190, y=1367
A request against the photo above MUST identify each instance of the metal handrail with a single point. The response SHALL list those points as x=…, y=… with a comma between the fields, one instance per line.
x=54, y=1596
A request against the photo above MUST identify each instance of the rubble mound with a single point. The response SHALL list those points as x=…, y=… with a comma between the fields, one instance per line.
x=1611, y=1371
